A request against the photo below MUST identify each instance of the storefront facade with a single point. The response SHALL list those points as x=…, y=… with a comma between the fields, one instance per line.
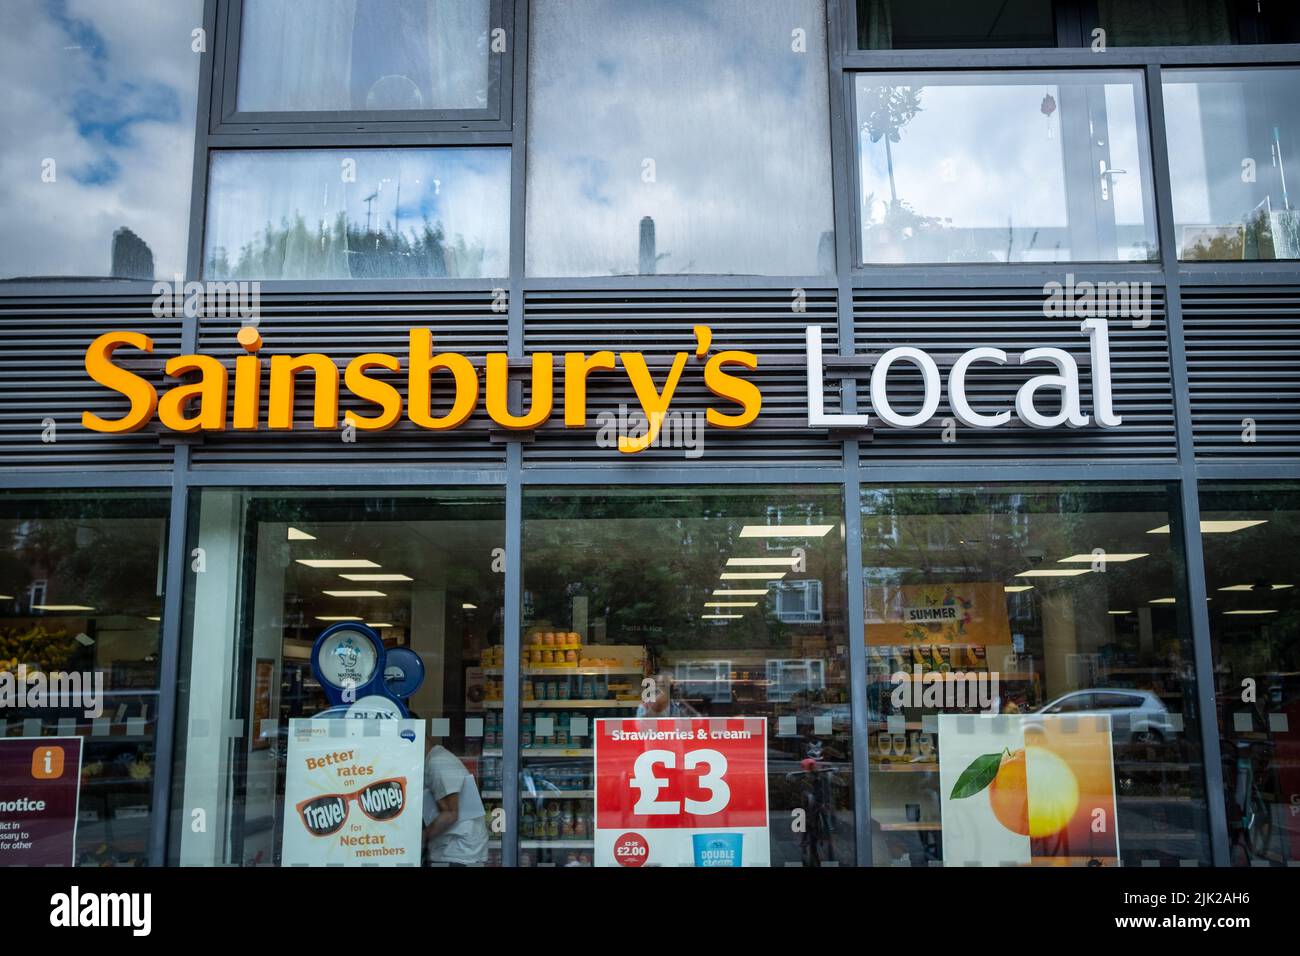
x=1072, y=493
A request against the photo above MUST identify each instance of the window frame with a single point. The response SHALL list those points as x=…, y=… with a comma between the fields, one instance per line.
x=226, y=118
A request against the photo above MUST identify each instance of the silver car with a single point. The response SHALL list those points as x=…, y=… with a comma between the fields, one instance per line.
x=1137, y=716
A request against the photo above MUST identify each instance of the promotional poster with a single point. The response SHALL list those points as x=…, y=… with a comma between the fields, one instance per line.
x=681, y=792
x=1035, y=789
x=354, y=793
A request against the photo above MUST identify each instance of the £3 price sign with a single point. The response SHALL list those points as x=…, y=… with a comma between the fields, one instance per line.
x=688, y=791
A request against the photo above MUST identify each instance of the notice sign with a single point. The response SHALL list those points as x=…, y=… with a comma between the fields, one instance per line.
x=354, y=793
x=1028, y=789
x=40, y=781
x=681, y=792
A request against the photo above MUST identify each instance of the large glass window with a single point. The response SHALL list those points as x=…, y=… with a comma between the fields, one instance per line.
x=1196, y=22
x=282, y=765
x=1249, y=532
x=1032, y=694
x=1004, y=167
x=665, y=610
x=358, y=214
x=96, y=137
x=943, y=25
x=81, y=601
x=1234, y=138
x=363, y=55
x=702, y=147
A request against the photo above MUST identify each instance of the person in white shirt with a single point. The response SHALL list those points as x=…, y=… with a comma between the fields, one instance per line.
x=455, y=823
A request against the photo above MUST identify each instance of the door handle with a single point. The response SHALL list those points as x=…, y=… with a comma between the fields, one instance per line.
x=1104, y=176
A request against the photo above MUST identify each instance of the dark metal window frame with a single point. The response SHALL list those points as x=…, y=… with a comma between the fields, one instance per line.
x=227, y=118
x=844, y=59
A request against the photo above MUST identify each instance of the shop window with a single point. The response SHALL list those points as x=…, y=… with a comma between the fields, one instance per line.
x=639, y=625
x=702, y=147
x=286, y=766
x=1233, y=145
x=943, y=25
x=1031, y=688
x=363, y=55
x=1196, y=22
x=81, y=603
x=96, y=156
x=1248, y=532
x=358, y=214
x=1004, y=168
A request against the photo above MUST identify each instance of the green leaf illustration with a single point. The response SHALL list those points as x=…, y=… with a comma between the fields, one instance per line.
x=977, y=776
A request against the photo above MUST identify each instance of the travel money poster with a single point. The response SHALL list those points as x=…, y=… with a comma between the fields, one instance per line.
x=40, y=786
x=688, y=791
x=354, y=793
x=1027, y=789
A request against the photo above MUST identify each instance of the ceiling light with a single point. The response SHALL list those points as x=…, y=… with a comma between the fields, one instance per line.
x=1015, y=588
x=6, y=597
x=1054, y=573
x=785, y=530
x=153, y=618
x=378, y=625
x=752, y=575
x=739, y=592
x=337, y=563
x=1164, y=601
x=296, y=535
x=1251, y=587
x=731, y=604
x=1119, y=612
x=469, y=607
x=355, y=593
x=1253, y=611
x=1104, y=556
x=61, y=607
x=376, y=577
x=1215, y=527
x=721, y=617
x=337, y=617
x=762, y=562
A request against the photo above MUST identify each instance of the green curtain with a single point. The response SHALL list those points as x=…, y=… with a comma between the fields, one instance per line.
x=1165, y=22
x=875, y=25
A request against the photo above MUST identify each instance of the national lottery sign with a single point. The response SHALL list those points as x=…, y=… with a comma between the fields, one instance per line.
x=681, y=791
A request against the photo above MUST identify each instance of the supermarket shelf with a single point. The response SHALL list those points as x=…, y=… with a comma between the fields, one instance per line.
x=564, y=704
x=543, y=752
x=545, y=795
x=556, y=844
x=561, y=671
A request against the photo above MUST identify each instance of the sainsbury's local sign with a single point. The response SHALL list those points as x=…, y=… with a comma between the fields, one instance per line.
x=200, y=400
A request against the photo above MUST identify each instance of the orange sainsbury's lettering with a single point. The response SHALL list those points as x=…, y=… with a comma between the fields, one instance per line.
x=100, y=367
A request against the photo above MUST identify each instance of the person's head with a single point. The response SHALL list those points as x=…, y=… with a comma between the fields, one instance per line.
x=663, y=690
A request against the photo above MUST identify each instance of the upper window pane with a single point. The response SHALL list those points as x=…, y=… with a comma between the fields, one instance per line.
x=363, y=55
x=1232, y=137
x=942, y=24
x=358, y=214
x=96, y=137
x=1004, y=167
x=703, y=147
x=1196, y=22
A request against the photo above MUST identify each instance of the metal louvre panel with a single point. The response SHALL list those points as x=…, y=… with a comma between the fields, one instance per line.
x=659, y=324
x=43, y=376
x=1243, y=362
x=344, y=326
x=947, y=322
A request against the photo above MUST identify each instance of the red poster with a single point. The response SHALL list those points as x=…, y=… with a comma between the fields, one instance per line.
x=39, y=787
x=681, y=792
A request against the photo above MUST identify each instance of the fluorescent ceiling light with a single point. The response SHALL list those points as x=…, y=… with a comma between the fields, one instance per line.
x=1215, y=527
x=1014, y=588
x=153, y=618
x=376, y=577
x=739, y=592
x=1164, y=601
x=337, y=617
x=61, y=607
x=731, y=604
x=1054, y=573
x=378, y=625
x=1253, y=611
x=337, y=563
x=355, y=593
x=6, y=597
x=762, y=562
x=296, y=535
x=1119, y=612
x=721, y=617
x=469, y=607
x=752, y=575
x=1104, y=556
x=1251, y=587
x=785, y=530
